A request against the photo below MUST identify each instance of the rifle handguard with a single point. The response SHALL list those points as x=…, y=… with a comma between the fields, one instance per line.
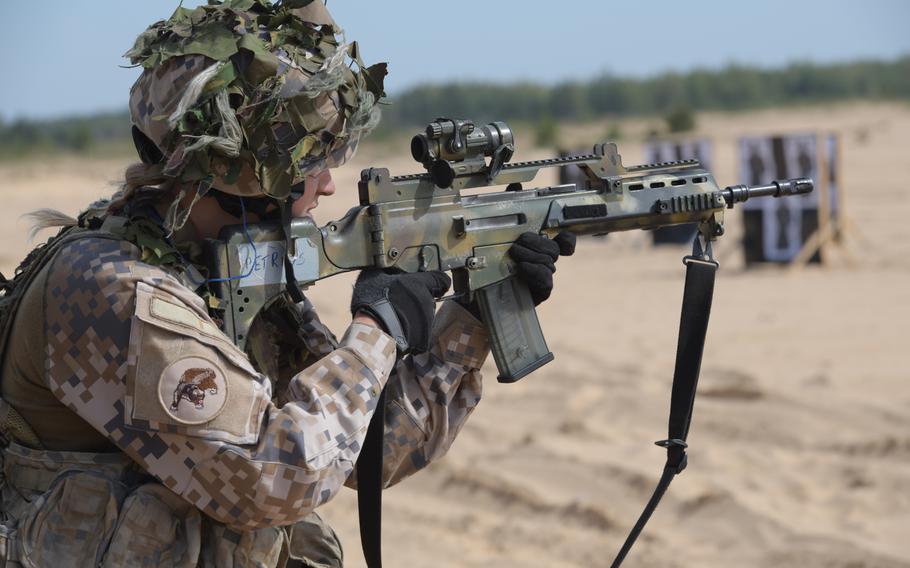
x=516, y=339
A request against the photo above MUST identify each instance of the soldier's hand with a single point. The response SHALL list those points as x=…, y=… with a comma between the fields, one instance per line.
x=404, y=304
x=535, y=257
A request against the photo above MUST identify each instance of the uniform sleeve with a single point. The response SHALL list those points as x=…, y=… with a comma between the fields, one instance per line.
x=283, y=339
x=135, y=354
x=430, y=396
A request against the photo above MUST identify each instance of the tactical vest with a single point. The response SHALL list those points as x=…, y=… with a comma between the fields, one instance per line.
x=91, y=509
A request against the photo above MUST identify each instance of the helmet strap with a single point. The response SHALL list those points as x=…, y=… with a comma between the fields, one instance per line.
x=293, y=287
x=230, y=204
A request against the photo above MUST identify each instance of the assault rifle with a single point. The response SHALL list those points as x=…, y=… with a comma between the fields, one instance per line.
x=424, y=222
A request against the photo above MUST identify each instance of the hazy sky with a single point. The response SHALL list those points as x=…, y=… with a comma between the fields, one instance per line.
x=59, y=56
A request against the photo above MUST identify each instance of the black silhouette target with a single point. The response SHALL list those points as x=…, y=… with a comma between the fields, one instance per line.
x=776, y=229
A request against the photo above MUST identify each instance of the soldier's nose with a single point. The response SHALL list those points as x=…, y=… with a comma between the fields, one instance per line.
x=326, y=184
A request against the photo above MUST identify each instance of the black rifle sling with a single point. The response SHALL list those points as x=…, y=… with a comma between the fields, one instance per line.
x=693, y=325
x=369, y=487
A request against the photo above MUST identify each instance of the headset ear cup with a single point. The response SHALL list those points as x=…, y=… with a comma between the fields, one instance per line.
x=148, y=152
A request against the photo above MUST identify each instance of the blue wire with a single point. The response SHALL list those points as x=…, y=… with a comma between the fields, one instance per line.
x=249, y=240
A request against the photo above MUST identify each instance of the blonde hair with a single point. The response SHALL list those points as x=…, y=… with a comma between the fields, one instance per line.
x=138, y=176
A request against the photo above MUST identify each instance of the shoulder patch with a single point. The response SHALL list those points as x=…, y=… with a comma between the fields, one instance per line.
x=184, y=376
x=192, y=390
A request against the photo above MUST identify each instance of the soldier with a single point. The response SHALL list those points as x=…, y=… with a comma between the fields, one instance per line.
x=134, y=431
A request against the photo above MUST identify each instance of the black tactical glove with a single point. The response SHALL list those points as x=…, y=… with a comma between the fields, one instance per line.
x=535, y=258
x=404, y=304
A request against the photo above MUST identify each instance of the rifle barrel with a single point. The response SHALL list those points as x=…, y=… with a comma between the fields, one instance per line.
x=741, y=193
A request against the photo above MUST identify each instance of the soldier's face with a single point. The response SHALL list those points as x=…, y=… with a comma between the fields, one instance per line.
x=209, y=218
x=316, y=185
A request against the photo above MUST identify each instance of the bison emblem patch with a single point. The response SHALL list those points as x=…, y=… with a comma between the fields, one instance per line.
x=192, y=390
x=193, y=385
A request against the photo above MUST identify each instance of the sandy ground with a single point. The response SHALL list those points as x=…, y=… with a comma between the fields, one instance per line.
x=800, y=451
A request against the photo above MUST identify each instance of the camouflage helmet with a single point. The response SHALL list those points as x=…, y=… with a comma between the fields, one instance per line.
x=251, y=96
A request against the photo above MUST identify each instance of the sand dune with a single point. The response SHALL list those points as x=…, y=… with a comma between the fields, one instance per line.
x=800, y=446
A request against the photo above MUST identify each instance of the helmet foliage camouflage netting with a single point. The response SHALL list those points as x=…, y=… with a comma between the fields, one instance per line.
x=251, y=95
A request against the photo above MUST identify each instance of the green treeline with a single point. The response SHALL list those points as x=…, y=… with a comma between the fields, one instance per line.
x=735, y=87
x=732, y=88
x=78, y=135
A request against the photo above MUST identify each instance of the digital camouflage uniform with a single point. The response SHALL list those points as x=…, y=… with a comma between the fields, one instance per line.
x=134, y=432
x=112, y=327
